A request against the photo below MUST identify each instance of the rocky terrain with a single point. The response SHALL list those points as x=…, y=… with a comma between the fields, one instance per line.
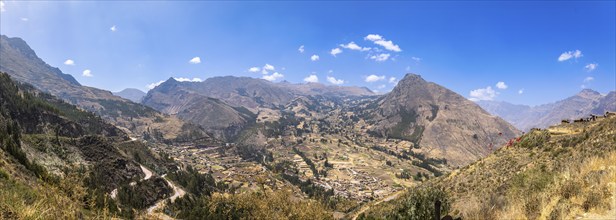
x=524, y=117
x=438, y=120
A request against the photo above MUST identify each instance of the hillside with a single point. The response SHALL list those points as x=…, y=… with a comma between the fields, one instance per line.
x=525, y=117
x=563, y=172
x=23, y=65
x=67, y=160
x=437, y=120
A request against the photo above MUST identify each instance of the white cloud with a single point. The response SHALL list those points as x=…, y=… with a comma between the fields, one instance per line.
x=588, y=79
x=69, y=62
x=179, y=79
x=416, y=59
x=154, y=85
x=334, y=81
x=570, y=54
x=374, y=78
x=268, y=67
x=335, y=51
x=393, y=80
x=113, y=28
x=314, y=57
x=312, y=79
x=182, y=79
x=520, y=91
x=87, y=73
x=380, y=57
x=591, y=66
x=387, y=44
x=195, y=60
x=373, y=37
x=273, y=77
x=24, y=19
x=353, y=46
x=254, y=69
x=382, y=86
x=301, y=49
x=2, y=6
x=483, y=94
x=501, y=85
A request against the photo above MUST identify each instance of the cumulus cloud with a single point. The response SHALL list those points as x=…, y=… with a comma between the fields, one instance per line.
x=483, y=94
x=591, y=66
x=373, y=37
x=570, y=54
x=312, y=79
x=416, y=59
x=24, y=19
x=314, y=57
x=374, y=78
x=273, y=77
x=254, y=69
x=182, y=79
x=87, y=73
x=268, y=67
x=195, y=60
x=2, y=6
x=379, y=40
x=334, y=81
x=69, y=62
x=113, y=28
x=588, y=79
x=520, y=91
x=501, y=85
x=301, y=49
x=380, y=57
x=353, y=46
x=393, y=80
x=335, y=51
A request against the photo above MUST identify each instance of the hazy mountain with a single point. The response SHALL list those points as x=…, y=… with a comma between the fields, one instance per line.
x=525, y=117
x=438, y=120
x=252, y=93
x=134, y=95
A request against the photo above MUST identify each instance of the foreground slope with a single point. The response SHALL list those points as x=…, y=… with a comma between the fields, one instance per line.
x=564, y=172
x=437, y=120
x=61, y=162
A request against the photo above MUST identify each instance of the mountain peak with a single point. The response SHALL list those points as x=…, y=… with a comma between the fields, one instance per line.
x=412, y=78
x=589, y=93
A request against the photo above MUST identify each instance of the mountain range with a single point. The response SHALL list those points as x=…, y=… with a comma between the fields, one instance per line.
x=525, y=117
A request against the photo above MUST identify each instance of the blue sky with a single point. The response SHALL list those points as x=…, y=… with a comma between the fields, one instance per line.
x=541, y=51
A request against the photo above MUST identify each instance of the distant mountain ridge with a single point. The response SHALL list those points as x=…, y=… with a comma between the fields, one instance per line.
x=526, y=117
x=134, y=95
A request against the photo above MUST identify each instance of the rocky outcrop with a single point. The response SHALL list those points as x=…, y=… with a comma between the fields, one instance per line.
x=441, y=122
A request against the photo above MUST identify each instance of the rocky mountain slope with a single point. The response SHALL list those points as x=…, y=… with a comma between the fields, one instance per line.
x=215, y=116
x=438, y=120
x=564, y=172
x=580, y=105
x=57, y=156
x=23, y=65
x=134, y=95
